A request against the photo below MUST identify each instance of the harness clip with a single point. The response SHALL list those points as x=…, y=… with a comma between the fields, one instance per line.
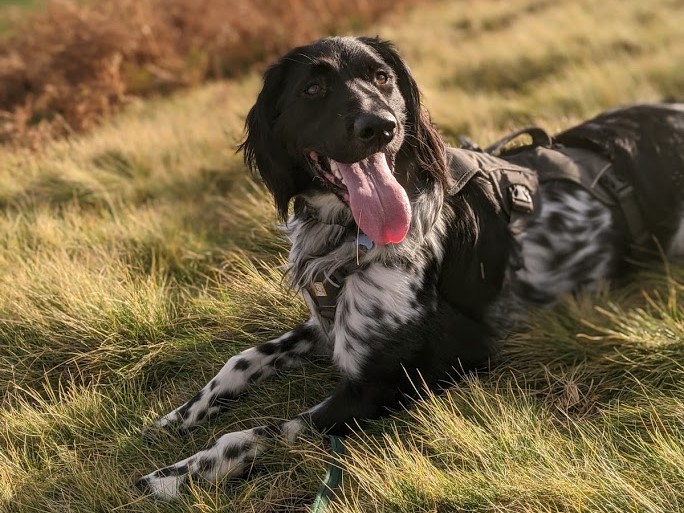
x=318, y=288
x=521, y=198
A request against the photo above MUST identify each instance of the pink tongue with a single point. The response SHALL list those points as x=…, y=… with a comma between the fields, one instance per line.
x=378, y=203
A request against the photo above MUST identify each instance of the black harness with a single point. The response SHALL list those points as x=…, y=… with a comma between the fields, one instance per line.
x=515, y=176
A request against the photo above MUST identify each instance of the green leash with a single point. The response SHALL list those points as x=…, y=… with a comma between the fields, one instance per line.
x=332, y=479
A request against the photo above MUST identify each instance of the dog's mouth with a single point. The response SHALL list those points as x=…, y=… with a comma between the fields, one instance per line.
x=329, y=173
x=378, y=202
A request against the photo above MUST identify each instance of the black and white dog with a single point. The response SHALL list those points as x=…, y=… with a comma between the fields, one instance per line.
x=407, y=256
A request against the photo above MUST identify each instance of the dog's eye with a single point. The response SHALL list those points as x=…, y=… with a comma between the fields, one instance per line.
x=313, y=89
x=381, y=78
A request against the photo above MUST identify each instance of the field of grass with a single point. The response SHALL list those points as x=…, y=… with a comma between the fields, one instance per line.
x=11, y=10
x=136, y=259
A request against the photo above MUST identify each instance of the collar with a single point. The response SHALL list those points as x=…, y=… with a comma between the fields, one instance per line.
x=325, y=288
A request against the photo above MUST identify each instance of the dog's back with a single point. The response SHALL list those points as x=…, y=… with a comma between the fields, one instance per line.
x=601, y=195
x=646, y=145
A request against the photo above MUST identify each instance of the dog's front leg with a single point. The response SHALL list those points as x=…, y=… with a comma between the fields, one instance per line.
x=231, y=455
x=250, y=366
x=234, y=453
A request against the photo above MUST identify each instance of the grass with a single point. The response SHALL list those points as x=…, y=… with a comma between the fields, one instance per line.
x=12, y=10
x=136, y=259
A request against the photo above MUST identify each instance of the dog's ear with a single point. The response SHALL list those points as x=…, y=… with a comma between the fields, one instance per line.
x=425, y=141
x=263, y=148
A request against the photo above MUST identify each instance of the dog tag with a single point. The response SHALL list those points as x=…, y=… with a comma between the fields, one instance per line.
x=318, y=289
x=365, y=242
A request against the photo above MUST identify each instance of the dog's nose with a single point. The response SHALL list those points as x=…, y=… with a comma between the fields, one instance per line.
x=375, y=128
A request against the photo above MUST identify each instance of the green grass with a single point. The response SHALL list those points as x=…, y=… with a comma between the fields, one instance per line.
x=583, y=414
x=135, y=260
x=12, y=10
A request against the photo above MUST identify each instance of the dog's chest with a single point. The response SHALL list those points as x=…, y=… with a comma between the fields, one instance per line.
x=355, y=298
x=321, y=258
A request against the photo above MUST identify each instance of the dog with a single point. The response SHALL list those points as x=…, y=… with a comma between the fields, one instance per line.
x=412, y=256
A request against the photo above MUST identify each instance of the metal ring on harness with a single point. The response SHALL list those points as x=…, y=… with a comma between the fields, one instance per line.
x=538, y=135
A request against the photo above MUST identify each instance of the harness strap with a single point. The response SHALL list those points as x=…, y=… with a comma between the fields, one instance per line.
x=325, y=288
x=626, y=197
x=462, y=168
x=538, y=135
x=592, y=170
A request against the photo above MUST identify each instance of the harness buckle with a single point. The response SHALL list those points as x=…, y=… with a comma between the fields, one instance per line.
x=521, y=198
x=325, y=288
x=616, y=185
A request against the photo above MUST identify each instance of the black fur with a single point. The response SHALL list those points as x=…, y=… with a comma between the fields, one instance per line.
x=431, y=306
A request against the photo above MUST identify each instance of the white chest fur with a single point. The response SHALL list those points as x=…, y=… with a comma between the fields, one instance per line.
x=374, y=301
x=381, y=285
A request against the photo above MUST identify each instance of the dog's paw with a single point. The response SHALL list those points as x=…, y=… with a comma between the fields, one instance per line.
x=164, y=484
x=201, y=408
x=170, y=425
x=231, y=456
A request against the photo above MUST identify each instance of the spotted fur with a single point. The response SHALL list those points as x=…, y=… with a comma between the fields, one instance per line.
x=250, y=366
x=566, y=248
x=433, y=305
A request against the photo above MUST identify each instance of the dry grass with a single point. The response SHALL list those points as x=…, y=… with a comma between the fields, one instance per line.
x=12, y=10
x=136, y=259
x=583, y=414
x=74, y=63
x=496, y=65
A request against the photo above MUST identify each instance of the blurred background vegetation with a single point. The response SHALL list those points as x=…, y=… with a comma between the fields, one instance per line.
x=65, y=65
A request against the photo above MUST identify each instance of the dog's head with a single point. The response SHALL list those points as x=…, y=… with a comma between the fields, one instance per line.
x=342, y=116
